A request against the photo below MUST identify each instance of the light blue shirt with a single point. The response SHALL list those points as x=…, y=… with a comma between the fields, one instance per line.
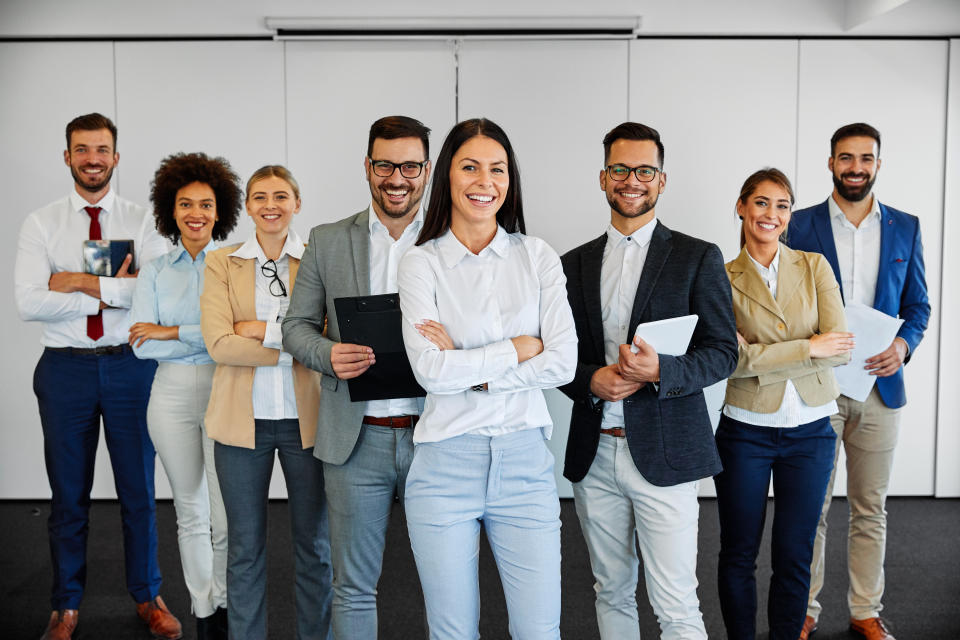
x=168, y=294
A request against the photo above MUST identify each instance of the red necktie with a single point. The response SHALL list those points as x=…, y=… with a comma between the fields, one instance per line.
x=94, y=323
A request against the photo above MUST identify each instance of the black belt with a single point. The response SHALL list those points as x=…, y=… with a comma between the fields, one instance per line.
x=111, y=350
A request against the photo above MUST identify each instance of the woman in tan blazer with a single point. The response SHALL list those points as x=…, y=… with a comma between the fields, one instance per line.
x=776, y=417
x=263, y=401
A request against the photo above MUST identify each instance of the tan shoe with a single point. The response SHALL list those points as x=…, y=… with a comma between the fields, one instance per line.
x=871, y=629
x=61, y=625
x=163, y=624
x=809, y=628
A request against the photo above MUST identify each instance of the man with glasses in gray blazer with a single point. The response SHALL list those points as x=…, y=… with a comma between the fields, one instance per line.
x=367, y=446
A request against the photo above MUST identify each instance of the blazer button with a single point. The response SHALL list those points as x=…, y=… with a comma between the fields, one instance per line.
x=781, y=326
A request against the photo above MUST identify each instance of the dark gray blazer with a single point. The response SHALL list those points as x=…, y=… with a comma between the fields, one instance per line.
x=336, y=264
x=668, y=428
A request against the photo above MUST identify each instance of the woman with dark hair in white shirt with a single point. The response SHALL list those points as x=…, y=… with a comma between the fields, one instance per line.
x=486, y=326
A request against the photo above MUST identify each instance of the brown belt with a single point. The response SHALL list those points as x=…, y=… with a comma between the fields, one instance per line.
x=394, y=422
x=616, y=432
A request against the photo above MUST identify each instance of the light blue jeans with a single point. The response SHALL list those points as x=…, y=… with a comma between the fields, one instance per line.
x=507, y=483
x=244, y=482
x=360, y=495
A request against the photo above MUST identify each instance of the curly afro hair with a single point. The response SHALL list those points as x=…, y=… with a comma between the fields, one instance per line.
x=181, y=169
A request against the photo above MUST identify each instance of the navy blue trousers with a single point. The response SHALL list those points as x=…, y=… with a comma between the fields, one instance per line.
x=74, y=392
x=800, y=460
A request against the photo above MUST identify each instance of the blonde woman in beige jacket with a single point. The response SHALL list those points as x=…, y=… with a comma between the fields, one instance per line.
x=263, y=402
x=776, y=418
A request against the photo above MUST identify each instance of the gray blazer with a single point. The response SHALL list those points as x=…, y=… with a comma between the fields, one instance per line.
x=336, y=264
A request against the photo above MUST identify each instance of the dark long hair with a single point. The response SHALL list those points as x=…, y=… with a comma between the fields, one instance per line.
x=437, y=219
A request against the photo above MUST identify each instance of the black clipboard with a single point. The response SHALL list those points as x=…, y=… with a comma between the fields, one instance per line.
x=375, y=321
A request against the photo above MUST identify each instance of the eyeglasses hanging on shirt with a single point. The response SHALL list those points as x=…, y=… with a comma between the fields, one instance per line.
x=269, y=269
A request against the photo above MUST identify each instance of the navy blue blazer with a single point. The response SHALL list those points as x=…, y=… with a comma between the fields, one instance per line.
x=901, y=280
x=667, y=425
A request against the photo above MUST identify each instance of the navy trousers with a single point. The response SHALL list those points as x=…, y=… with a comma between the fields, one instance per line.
x=74, y=392
x=800, y=459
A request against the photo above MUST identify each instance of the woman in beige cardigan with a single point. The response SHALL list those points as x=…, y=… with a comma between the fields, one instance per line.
x=776, y=418
x=263, y=401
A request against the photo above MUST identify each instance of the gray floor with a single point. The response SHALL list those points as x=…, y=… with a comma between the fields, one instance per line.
x=922, y=598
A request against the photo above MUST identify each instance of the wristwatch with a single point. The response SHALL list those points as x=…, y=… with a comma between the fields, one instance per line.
x=479, y=387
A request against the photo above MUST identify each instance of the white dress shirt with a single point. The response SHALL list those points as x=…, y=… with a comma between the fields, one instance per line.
x=385, y=254
x=793, y=411
x=51, y=241
x=515, y=286
x=623, y=260
x=858, y=252
x=274, y=397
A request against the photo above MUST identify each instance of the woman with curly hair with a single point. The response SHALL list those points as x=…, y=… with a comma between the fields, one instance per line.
x=196, y=202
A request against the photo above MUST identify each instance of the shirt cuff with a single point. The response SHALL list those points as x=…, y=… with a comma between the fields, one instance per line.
x=285, y=360
x=90, y=305
x=110, y=291
x=499, y=356
x=190, y=334
x=273, y=336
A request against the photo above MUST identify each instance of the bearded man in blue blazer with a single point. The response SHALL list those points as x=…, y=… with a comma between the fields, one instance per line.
x=877, y=257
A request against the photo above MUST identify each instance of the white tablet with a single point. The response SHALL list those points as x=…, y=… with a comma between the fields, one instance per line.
x=670, y=336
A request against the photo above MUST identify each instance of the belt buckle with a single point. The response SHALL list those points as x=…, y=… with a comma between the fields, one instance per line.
x=104, y=351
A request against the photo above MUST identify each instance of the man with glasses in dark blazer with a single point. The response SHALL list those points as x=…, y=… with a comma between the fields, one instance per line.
x=640, y=436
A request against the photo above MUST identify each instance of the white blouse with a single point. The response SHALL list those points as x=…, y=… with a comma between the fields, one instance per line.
x=515, y=286
x=274, y=397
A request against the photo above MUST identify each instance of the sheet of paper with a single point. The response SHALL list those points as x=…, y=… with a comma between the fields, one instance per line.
x=670, y=337
x=873, y=332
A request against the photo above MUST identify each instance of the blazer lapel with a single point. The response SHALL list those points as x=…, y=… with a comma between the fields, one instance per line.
x=748, y=282
x=360, y=246
x=824, y=231
x=657, y=254
x=244, y=284
x=887, y=232
x=590, y=285
x=789, y=277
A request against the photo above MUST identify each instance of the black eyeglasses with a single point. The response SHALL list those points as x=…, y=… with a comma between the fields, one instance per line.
x=269, y=269
x=385, y=168
x=620, y=172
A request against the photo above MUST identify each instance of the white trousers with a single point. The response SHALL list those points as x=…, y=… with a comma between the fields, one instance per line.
x=614, y=503
x=178, y=401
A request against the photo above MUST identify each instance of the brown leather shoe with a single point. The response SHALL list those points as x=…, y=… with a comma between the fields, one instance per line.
x=61, y=625
x=809, y=628
x=871, y=629
x=163, y=624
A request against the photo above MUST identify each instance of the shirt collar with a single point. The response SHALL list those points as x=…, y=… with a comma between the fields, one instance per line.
x=373, y=222
x=250, y=249
x=837, y=213
x=180, y=251
x=774, y=264
x=106, y=203
x=641, y=236
x=452, y=250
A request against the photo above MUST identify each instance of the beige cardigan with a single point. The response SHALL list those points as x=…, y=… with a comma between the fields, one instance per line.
x=778, y=331
x=229, y=295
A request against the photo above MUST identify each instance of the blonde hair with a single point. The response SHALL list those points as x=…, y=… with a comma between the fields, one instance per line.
x=274, y=171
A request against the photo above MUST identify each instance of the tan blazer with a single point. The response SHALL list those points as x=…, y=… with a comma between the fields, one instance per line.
x=229, y=295
x=778, y=331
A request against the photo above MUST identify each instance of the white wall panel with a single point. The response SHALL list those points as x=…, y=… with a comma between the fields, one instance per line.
x=900, y=88
x=948, y=421
x=724, y=108
x=222, y=98
x=42, y=91
x=336, y=90
x=555, y=100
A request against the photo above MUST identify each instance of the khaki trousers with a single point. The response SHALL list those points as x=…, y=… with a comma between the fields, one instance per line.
x=868, y=431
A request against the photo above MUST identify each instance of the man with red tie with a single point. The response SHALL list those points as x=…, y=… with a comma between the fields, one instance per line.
x=88, y=372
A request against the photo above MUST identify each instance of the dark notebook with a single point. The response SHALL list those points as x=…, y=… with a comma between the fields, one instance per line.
x=374, y=321
x=104, y=257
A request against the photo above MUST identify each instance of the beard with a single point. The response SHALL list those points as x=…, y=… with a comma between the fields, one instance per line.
x=643, y=206
x=393, y=210
x=81, y=180
x=850, y=193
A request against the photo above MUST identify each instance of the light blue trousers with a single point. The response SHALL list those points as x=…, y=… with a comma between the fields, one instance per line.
x=507, y=483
